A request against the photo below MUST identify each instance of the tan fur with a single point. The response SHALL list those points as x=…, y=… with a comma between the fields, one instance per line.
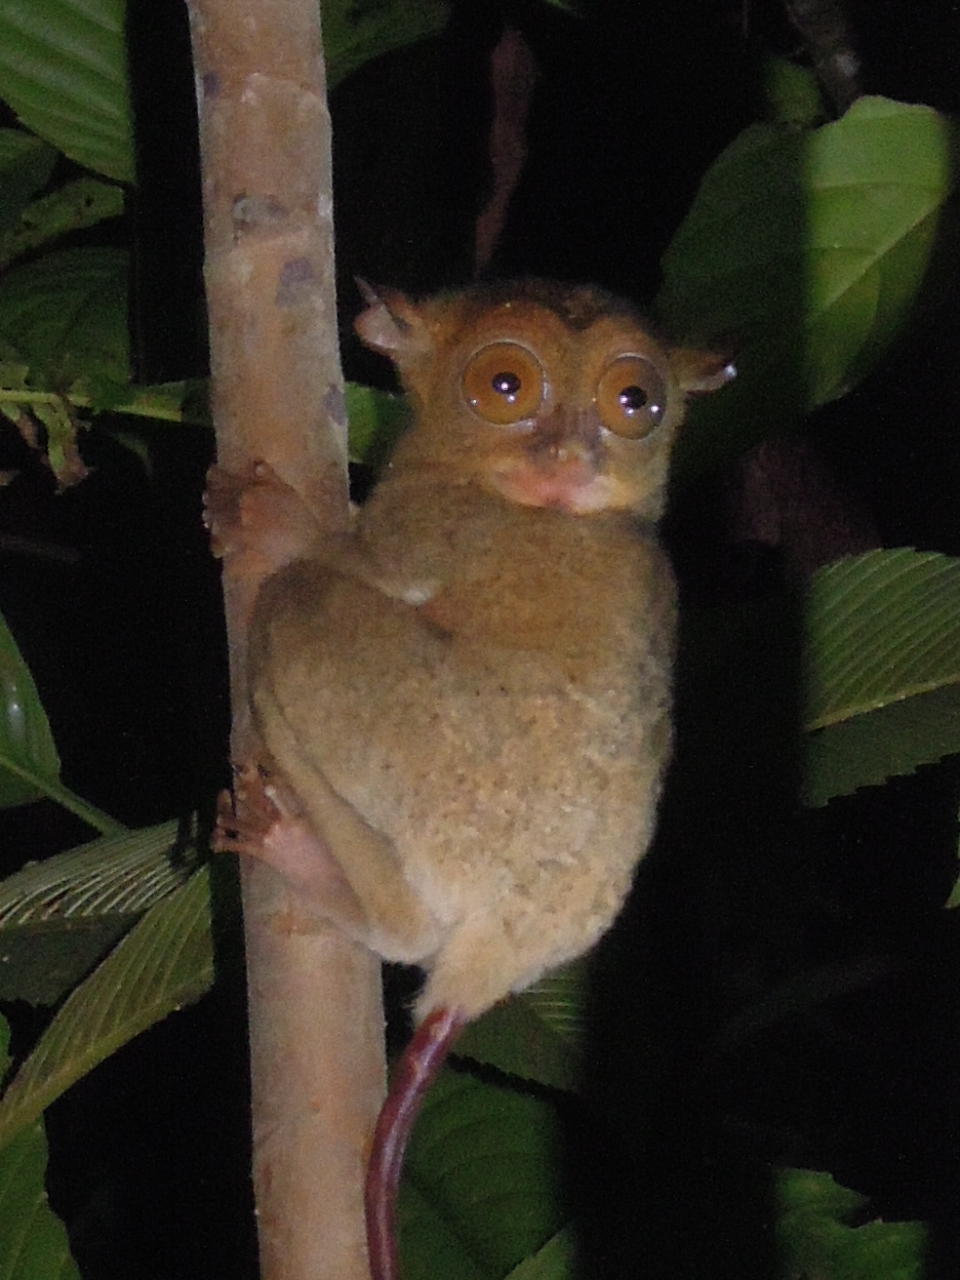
x=470, y=696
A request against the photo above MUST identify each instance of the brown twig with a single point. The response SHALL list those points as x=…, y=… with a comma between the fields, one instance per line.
x=828, y=37
x=513, y=74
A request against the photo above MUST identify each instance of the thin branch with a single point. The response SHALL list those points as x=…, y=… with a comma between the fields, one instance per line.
x=277, y=394
x=829, y=39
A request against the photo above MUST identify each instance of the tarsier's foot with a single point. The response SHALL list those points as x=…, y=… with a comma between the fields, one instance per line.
x=262, y=819
x=245, y=816
x=257, y=515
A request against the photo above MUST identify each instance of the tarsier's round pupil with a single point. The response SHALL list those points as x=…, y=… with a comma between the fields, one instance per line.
x=506, y=384
x=633, y=398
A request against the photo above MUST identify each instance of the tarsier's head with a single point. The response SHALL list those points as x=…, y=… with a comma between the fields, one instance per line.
x=549, y=395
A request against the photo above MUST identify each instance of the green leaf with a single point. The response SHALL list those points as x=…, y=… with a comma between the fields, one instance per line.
x=555, y=1261
x=164, y=962
x=63, y=65
x=559, y=998
x=537, y=1035
x=792, y=92
x=66, y=316
x=882, y=668
x=882, y=626
x=815, y=1241
x=430, y=1246
x=33, y=1242
x=805, y=251
x=185, y=402
x=355, y=31
x=29, y=764
x=63, y=450
x=954, y=899
x=63, y=70
x=59, y=916
x=889, y=743
x=28, y=755
x=480, y=1192
x=72, y=207
x=377, y=420
x=25, y=166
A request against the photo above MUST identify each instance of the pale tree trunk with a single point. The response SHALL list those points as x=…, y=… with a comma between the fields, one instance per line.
x=316, y=1023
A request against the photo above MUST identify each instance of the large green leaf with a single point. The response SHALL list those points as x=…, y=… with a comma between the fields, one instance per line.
x=25, y=166
x=71, y=207
x=63, y=65
x=28, y=755
x=480, y=1189
x=164, y=962
x=793, y=95
x=122, y=874
x=63, y=70
x=65, y=316
x=354, y=31
x=59, y=916
x=33, y=1242
x=954, y=900
x=537, y=1035
x=815, y=1239
x=555, y=1261
x=377, y=420
x=891, y=742
x=883, y=668
x=63, y=342
x=29, y=764
x=805, y=251
x=882, y=626
x=431, y=1246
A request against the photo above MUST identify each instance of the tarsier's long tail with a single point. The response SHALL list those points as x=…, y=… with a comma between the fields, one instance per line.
x=416, y=1071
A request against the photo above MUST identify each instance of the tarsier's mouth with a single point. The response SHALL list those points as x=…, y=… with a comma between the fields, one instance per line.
x=565, y=480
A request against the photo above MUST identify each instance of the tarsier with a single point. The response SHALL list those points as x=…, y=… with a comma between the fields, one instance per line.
x=468, y=695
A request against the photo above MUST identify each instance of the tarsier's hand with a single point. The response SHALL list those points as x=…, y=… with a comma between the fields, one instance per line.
x=257, y=516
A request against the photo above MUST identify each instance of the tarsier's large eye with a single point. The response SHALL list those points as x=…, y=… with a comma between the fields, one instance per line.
x=631, y=397
x=503, y=383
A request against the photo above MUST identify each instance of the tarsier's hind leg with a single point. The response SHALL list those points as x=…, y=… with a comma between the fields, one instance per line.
x=396, y=923
x=262, y=819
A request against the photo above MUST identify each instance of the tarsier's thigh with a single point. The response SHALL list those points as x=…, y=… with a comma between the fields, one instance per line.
x=356, y=676
x=486, y=770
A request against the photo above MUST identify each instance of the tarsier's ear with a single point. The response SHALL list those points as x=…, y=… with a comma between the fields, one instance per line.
x=700, y=372
x=391, y=323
